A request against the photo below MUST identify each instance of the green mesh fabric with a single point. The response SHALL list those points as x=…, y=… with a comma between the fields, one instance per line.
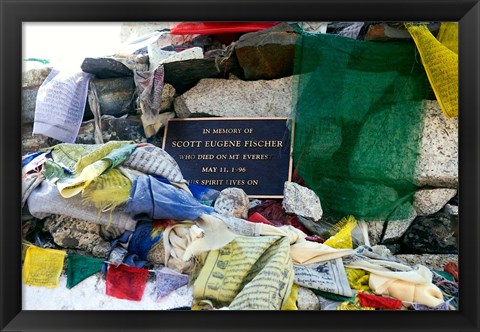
x=358, y=122
x=80, y=268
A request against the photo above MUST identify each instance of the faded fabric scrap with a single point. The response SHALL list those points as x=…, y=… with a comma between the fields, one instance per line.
x=441, y=65
x=150, y=87
x=68, y=155
x=442, y=306
x=143, y=239
x=29, y=184
x=42, y=267
x=80, y=268
x=157, y=200
x=291, y=303
x=326, y=276
x=356, y=305
x=379, y=302
x=153, y=160
x=168, y=281
x=126, y=282
x=427, y=294
x=358, y=279
x=248, y=273
x=343, y=237
x=346, y=90
x=60, y=105
x=46, y=200
x=89, y=167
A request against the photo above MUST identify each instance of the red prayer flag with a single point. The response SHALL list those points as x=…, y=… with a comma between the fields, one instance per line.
x=381, y=302
x=126, y=282
x=258, y=218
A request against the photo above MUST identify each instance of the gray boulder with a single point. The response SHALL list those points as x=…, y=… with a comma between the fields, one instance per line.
x=236, y=98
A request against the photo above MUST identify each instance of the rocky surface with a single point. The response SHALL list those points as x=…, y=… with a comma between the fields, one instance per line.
x=236, y=98
x=267, y=54
x=429, y=201
x=77, y=234
x=105, y=68
x=375, y=230
x=232, y=202
x=115, y=95
x=395, y=229
x=438, y=160
x=31, y=81
x=432, y=234
x=307, y=300
x=184, y=75
x=436, y=262
x=301, y=201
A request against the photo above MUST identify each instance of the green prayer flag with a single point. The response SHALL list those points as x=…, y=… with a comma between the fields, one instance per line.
x=80, y=268
x=358, y=124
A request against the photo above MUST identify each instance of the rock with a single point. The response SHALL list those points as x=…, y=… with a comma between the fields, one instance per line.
x=31, y=81
x=232, y=202
x=183, y=75
x=438, y=161
x=235, y=98
x=35, y=77
x=375, y=230
x=435, y=262
x=105, y=68
x=32, y=143
x=431, y=234
x=451, y=210
x=113, y=129
x=429, y=201
x=115, y=95
x=267, y=54
x=156, y=255
x=307, y=300
x=301, y=201
x=395, y=229
x=319, y=229
x=392, y=31
x=168, y=94
x=76, y=234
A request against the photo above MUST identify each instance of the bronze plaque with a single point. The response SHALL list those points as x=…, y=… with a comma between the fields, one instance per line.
x=253, y=154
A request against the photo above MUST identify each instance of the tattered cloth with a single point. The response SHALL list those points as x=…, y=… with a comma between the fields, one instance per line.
x=248, y=273
x=157, y=200
x=346, y=90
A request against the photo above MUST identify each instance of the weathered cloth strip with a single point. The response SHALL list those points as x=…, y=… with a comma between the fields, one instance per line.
x=157, y=200
x=153, y=160
x=46, y=200
x=441, y=65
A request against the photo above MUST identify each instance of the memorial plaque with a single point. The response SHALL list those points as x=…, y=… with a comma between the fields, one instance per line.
x=253, y=154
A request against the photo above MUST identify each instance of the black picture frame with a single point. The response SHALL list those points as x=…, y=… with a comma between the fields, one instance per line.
x=14, y=12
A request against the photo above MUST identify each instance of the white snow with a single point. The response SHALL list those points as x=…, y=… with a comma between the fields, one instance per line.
x=90, y=295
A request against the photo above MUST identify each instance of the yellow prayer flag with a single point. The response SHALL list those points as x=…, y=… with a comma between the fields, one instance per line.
x=441, y=64
x=448, y=35
x=343, y=238
x=42, y=267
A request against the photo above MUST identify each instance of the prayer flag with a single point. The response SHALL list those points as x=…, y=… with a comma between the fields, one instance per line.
x=42, y=267
x=80, y=268
x=126, y=282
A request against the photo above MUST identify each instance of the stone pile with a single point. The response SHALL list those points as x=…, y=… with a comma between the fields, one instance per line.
x=252, y=77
